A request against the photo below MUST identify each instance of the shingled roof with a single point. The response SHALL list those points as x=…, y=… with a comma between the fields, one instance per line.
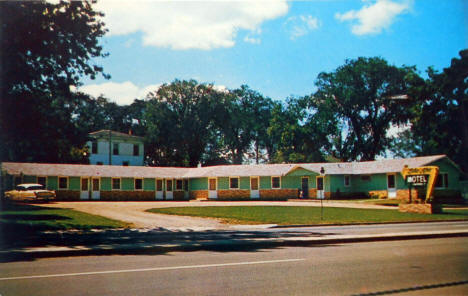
x=342, y=168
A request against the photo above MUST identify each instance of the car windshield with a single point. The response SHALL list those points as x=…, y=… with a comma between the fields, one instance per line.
x=29, y=187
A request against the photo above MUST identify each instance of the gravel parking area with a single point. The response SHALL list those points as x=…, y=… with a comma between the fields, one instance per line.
x=134, y=212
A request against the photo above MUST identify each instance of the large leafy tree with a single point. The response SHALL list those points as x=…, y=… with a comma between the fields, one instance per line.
x=243, y=122
x=355, y=106
x=180, y=122
x=45, y=49
x=440, y=121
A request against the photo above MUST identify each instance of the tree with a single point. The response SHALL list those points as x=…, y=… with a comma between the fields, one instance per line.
x=440, y=121
x=243, y=123
x=46, y=48
x=180, y=122
x=357, y=104
x=292, y=141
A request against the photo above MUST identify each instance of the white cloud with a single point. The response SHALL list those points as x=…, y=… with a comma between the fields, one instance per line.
x=121, y=93
x=372, y=19
x=188, y=24
x=299, y=26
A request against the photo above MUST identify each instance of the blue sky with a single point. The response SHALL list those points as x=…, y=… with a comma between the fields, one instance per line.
x=276, y=47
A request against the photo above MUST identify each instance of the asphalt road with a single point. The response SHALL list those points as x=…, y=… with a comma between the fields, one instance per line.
x=415, y=267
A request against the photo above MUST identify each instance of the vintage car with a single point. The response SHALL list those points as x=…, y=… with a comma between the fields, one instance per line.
x=30, y=192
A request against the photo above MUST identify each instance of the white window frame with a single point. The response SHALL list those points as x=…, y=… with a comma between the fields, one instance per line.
x=181, y=187
x=212, y=178
x=349, y=180
x=238, y=183
x=394, y=181
x=112, y=184
x=279, y=177
x=134, y=184
x=68, y=183
x=156, y=185
x=172, y=185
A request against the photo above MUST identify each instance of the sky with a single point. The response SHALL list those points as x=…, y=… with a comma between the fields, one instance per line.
x=275, y=47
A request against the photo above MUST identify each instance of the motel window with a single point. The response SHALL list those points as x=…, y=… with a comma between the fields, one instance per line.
x=168, y=185
x=185, y=185
x=347, y=181
x=365, y=178
x=17, y=180
x=179, y=184
x=63, y=183
x=115, y=149
x=136, y=150
x=234, y=183
x=442, y=180
x=275, y=182
x=391, y=181
x=42, y=181
x=159, y=185
x=94, y=147
x=138, y=184
x=115, y=183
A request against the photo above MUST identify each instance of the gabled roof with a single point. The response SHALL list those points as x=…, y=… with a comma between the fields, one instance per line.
x=105, y=134
x=338, y=168
x=371, y=167
x=44, y=169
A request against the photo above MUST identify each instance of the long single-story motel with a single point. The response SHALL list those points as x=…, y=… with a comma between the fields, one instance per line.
x=380, y=178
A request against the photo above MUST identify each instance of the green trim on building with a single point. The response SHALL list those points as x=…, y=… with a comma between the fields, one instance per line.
x=52, y=183
x=127, y=184
x=106, y=184
x=149, y=184
x=198, y=184
x=74, y=183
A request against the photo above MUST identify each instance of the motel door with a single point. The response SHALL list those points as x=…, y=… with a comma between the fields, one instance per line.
x=391, y=186
x=95, y=187
x=320, y=191
x=159, y=189
x=254, y=192
x=212, y=187
x=169, y=193
x=305, y=187
x=84, y=192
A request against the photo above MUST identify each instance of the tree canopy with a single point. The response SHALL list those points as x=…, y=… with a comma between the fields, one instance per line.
x=46, y=48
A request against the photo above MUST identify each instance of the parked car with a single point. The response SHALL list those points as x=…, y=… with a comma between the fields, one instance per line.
x=30, y=192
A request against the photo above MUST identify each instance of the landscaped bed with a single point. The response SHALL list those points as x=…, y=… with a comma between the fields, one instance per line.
x=306, y=215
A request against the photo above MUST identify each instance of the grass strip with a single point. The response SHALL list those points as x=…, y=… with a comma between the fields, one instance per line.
x=297, y=215
x=27, y=217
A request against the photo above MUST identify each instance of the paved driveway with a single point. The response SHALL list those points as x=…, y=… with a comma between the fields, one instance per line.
x=134, y=212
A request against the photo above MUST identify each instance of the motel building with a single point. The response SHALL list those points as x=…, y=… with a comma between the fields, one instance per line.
x=379, y=179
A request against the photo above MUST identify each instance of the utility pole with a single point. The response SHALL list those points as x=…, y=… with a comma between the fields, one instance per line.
x=110, y=147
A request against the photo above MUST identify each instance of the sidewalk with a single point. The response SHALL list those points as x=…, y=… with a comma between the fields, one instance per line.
x=136, y=241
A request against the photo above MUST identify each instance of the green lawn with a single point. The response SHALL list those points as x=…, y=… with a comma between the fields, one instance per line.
x=285, y=215
x=23, y=217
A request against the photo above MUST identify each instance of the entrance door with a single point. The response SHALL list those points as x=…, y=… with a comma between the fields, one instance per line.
x=95, y=193
x=84, y=193
x=212, y=188
x=159, y=189
x=169, y=193
x=254, y=192
x=320, y=191
x=305, y=187
x=391, y=186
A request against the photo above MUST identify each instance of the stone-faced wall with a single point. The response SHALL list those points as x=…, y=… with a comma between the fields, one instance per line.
x=67, y=195
x=238, y=194
x=380, y=194
x=420, y=208
x=127, y=195
x=278, y=194
x=312, y=192
x=416, y=194
x=199, y=194
x=179, y=195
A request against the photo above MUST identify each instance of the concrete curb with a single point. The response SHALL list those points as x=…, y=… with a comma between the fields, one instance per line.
x=13, y=254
